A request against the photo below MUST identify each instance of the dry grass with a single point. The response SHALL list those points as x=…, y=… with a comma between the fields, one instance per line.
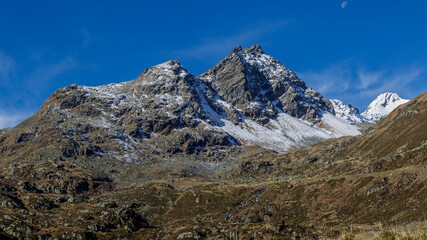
x=414, y=231
x=403, y=234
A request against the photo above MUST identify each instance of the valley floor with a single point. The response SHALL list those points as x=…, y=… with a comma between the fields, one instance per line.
x=348, y=206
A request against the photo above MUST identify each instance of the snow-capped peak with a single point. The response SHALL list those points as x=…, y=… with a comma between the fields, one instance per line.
x=347, y=112
x=382, y=106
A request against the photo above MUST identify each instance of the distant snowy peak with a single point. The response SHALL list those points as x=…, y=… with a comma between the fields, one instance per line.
x=383, y=105
x=347, y=112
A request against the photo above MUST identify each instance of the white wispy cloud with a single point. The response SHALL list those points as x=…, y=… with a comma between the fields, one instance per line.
x=7, y=63
x=392, y=81
x=334, y=79
x=86, y=37
x=351, y=82
x=12, y=118
x=216, y=47
x=38, y=55
x=27, y=91
x=367, y=79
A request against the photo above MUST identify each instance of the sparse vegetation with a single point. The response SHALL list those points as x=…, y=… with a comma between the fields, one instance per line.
x=412, y=231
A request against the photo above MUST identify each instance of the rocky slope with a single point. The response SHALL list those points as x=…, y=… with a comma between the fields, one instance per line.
x=382, y=105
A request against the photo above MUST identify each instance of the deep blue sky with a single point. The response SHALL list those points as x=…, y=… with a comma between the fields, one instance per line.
x=352, y=53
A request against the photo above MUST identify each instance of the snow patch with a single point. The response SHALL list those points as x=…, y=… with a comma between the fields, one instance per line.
x=338, y=127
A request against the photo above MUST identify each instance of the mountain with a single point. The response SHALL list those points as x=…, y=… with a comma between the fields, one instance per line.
x=169, y=155
x=348, y=113
x=248, y=99
x=382, y=105
x=168, y=122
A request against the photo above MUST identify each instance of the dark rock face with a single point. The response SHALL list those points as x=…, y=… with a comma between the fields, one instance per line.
x=253, y=81
x=25, y=137
x=263, y=167
x=10, y=201
x=63, y=186
x=29, y=187
x=38, y=202
x=311, y=160
x=130, y=220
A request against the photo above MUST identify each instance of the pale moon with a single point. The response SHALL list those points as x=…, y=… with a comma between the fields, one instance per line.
x=343, y=4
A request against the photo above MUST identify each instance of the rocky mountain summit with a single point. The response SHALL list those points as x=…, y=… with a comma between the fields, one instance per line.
x=261, y=86
x=382, y=106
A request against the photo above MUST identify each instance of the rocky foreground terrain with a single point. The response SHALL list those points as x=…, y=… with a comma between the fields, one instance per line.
x=173, y=156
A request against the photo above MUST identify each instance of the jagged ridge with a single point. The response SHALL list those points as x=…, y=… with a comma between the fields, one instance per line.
x=347, y=112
